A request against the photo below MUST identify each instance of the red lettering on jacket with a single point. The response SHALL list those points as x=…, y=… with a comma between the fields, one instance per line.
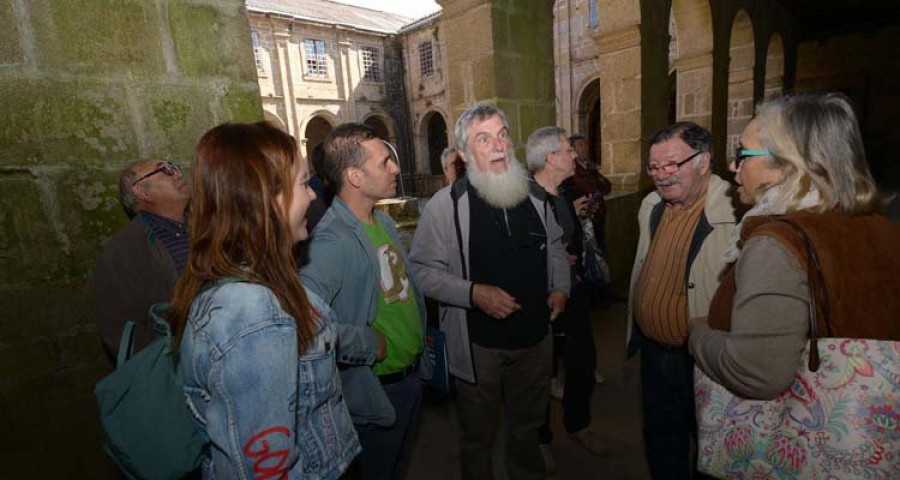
x=268, y=464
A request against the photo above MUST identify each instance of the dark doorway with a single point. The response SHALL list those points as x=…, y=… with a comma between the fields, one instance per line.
x=316, y=130
x=437, y=141
x=589, y=118
x=380, y=128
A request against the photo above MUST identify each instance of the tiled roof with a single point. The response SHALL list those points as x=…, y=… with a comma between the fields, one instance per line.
x=323, y=11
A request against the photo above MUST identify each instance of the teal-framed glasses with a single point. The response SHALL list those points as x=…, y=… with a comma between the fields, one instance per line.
x=741, y=154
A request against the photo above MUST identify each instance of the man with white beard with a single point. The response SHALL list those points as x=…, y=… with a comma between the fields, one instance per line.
x=492, y=255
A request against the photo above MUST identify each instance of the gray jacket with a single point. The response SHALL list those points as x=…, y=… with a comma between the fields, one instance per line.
x=437, y=262
x=343, y=270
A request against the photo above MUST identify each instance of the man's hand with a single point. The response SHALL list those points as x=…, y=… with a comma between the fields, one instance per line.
x=494, y=301
x=580, y=202
x=572, y=259
x=381, y=348
x=557, y=303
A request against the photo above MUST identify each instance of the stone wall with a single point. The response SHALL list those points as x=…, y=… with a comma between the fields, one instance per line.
x=85, y=87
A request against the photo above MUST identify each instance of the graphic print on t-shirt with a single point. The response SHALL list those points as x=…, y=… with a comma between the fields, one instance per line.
x=394, y=280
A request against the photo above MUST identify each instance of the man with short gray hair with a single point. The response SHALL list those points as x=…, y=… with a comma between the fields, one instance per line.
x=492, y=255
x=551, y=159
x=141, y=263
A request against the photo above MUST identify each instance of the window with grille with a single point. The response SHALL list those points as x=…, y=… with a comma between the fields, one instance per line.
x=426, y=58
x=315, y=58
x=257, y=53
x=371, y=64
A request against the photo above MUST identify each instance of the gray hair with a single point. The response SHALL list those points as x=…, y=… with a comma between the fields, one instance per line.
x=446, y=154
x=478, y=112
x=126, y=189
x=815, y=141
x=541, y=143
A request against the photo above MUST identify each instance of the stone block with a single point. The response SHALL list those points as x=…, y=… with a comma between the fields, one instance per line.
x=242, y=103
x=88, y=211
x=622, y=64
x=23, y=362
x=10, y=50
x=621, y=127
x=30, y=249
x=626, y=157
x=628, y=95
x=212, y=41
x=32, y=313
x=51, y=121
x=87, y=36
x=175, y=117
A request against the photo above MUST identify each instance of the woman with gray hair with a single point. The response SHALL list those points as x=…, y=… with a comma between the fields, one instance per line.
x=812, y=258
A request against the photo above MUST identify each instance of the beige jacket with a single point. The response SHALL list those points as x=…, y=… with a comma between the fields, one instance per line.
x=713, y=233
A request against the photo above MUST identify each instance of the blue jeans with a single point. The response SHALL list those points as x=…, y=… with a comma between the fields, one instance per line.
x=384, y=447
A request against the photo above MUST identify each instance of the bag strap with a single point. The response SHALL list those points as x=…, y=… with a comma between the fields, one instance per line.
x=818, y=294
x=456, y=191
x=126, y=343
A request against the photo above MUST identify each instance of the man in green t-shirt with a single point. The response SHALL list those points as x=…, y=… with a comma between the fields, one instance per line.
x=359, y=266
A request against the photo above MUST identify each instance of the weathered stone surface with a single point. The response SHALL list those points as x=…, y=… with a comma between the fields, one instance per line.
x=242, y=103
x=61, y=121
x=211, y=40
x=10, y=50
x=69, y=37
x=175, y=118
x=30, y=249
x=36, y=313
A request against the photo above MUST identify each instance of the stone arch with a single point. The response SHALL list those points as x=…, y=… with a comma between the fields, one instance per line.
x=692, y=60
x=316, y=128
x=589, y=116
x=740, y=80
x=274, y=119
x=435, y=135
x=381, y=124
x=774, y=84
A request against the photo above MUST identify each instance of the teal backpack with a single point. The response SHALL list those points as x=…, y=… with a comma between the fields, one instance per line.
x=150, y=430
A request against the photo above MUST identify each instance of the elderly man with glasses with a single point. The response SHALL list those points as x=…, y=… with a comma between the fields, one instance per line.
x=685, y=227
x=141, y=263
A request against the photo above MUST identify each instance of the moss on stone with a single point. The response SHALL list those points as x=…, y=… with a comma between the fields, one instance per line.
x=43, y=120
x=212, y=41
x=69, y=36
x=176, y=118
x=243, y=103
x=29, y=248
x=10, y=50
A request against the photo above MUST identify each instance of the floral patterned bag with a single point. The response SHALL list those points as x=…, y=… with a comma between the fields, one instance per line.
x=840, y=419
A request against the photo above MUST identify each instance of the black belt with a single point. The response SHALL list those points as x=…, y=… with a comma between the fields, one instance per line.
x=395, y=377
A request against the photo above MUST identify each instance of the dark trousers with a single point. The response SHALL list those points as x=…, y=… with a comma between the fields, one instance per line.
x=520, y=381
x=667, y=393
x=579, y=356
x=384, y=447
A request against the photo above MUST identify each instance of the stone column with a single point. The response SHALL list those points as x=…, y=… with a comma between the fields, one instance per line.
x=694, y=89
x=501, y=52
x=620, y=104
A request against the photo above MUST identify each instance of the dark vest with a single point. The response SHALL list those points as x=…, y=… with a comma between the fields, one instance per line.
x=508, y=249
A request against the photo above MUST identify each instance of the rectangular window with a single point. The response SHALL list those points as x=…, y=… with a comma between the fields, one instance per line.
x=426, y=58
x=257, y=52
x=371, y=64
x=316, y=65
x=593, y=13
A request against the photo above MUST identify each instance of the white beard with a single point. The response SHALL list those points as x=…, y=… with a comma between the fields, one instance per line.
x=500, y=190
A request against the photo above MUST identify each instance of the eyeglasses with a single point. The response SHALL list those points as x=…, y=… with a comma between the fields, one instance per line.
x=741, y=153
x=670, y=168
x=168, y=168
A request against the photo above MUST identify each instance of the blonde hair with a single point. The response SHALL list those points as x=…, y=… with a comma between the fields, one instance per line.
x=815, y=141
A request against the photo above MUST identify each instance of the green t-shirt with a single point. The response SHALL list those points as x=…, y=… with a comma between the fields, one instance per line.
x=398, y=311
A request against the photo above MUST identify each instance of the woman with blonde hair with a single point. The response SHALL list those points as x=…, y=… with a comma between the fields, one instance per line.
x=257, y=350
x=813, y=258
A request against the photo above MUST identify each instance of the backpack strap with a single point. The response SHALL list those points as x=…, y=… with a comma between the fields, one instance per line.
x=126, y=343
x=459, y=187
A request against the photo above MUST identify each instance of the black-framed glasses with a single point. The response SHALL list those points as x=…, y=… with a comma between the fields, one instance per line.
x=741, y=154
x=670, y=168
x=168, y=168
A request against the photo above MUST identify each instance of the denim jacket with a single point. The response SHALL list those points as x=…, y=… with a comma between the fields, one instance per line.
x=269, y=412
